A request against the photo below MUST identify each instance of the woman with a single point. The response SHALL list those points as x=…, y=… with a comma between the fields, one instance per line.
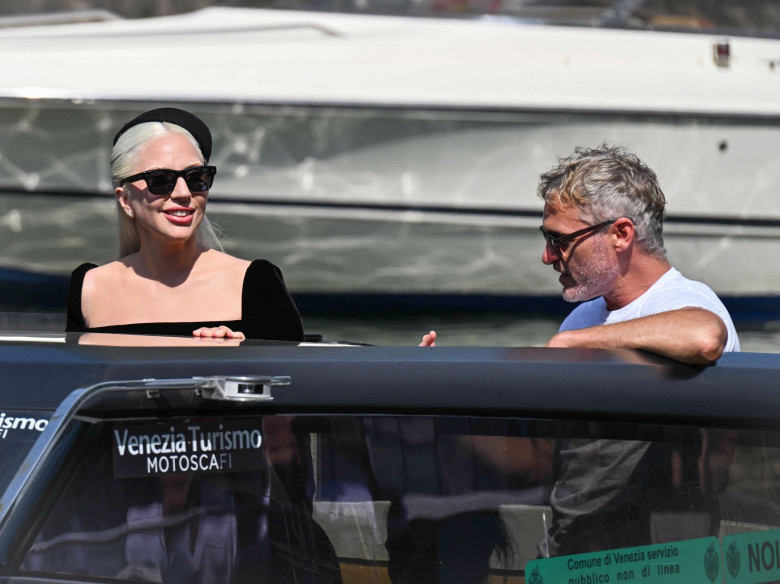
x=172, y=277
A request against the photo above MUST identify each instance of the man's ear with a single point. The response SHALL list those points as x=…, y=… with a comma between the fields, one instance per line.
x=625, y=232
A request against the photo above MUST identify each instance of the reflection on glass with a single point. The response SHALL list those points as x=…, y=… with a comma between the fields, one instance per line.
x=417, y=499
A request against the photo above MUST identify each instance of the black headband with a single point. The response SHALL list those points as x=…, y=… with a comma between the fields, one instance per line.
x=193, y=124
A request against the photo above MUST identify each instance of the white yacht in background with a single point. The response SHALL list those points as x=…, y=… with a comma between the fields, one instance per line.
x=386, y=154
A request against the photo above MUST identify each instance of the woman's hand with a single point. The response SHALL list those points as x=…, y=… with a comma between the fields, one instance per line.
x=218, y=332
x=429, y=340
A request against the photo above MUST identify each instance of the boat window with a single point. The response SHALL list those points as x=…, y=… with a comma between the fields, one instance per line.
x=18, y=432
x=309, y=172
x=737, y=17
x=414, y=499
x=746, y=17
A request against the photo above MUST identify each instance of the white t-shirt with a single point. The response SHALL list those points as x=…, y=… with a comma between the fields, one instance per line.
x=593, y=482
x=670, y=292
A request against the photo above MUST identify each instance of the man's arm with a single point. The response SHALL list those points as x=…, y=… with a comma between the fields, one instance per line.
x=691, y=335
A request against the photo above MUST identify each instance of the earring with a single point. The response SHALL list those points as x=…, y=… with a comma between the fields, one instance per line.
x=129, y=213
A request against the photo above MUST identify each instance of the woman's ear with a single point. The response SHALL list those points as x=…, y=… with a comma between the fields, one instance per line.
x=124, y=201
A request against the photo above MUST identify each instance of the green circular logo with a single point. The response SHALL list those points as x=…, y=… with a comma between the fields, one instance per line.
x=732, y=559
x=535, y=577
x=711, y=563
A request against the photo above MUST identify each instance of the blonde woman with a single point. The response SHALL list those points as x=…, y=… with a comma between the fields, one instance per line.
x=172, y=278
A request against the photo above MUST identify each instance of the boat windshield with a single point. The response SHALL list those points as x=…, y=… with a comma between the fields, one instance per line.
x=732, y=17
x=744, y=18
x=760, y=18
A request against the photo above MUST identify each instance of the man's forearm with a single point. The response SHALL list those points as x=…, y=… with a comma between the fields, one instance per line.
x=691, y=335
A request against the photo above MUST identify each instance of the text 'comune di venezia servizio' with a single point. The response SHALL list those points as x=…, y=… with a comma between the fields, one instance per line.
x=694, y=561
x=187, y=447
x=651, y=566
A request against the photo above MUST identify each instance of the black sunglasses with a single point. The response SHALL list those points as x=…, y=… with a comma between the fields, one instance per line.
x=162, y=181
x=556, y=242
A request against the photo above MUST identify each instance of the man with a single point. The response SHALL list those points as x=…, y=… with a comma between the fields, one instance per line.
x=603, y=227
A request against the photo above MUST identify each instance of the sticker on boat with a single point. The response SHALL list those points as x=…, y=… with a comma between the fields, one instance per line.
x=15, y=422
x=187, y=447
x=693, y=561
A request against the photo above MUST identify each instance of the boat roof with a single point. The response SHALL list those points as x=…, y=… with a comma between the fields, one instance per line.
x=617, y=385
x=246, y=55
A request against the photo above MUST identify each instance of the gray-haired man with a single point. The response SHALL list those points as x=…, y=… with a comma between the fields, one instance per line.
x=603, y=226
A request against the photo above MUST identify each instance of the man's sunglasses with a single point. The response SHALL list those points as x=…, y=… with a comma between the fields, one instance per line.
x=162, y=181
x=559, y=243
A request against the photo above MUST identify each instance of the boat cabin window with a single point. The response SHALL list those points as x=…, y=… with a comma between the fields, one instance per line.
x=738, y=18
x=411, y=499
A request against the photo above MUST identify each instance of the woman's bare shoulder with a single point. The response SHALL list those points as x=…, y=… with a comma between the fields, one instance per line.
x=220, y=261
x=102, y=276
x=103, y=289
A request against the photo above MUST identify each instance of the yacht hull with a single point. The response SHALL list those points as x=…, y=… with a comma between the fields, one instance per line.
x=370, y=172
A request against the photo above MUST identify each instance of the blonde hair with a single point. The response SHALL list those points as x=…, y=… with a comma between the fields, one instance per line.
x=124, y=157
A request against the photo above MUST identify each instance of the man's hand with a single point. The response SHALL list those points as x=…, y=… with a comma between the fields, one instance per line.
x=691, y=335
x=428, y=340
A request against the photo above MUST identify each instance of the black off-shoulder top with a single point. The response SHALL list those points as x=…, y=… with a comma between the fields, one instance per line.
x=267, y=309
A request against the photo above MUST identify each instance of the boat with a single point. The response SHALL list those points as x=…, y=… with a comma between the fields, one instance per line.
x=161, y=459
x=389, y=156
